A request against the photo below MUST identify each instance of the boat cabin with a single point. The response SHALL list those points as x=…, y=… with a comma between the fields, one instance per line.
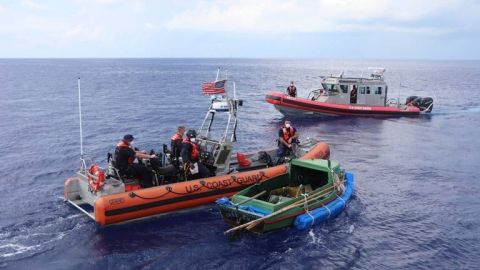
x=370, y=91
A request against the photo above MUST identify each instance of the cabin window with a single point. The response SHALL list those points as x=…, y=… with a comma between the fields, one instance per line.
x=368, y=90
x=332, y=88
x=378, y=91
x=344, y=88
x=362, y=90
x=329, y=87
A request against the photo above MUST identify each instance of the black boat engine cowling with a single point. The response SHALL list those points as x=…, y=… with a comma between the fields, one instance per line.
x=423, y=103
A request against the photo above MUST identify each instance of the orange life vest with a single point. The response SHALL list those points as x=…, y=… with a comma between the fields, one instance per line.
x=288, y=133
x=122, y=144
x=195, y=154
x=176, y=137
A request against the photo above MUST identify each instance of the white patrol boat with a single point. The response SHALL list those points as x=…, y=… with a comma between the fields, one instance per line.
x=341, y=95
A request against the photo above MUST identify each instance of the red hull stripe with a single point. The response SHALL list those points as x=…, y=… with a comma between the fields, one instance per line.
x=322, y=107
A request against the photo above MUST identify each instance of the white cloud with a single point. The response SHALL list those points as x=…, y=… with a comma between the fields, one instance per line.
x=289, y=16
x=151, y=26
x=81, y=32
x=108, y=2
x=33, y=5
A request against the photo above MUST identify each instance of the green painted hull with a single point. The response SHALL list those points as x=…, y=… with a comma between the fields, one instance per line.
x=309, y=178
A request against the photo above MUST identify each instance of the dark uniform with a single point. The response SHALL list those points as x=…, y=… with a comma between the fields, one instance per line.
x=176, y=146
x=124, y=157
x=353, y=95
x=292, y=90
x=191, y=154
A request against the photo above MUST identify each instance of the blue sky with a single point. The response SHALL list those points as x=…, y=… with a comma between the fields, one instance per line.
x=357, y=29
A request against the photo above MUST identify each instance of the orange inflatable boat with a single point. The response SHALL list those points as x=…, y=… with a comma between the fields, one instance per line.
x=110, y=201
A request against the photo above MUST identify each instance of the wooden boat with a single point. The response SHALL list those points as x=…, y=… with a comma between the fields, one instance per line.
x=309, y=185
x=353, y=96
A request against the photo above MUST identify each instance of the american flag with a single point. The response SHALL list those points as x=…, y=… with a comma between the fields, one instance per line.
x=213, y=88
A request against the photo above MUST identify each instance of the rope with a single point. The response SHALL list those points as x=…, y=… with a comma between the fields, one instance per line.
x=203, y=185
x=133, y=195
x=344, y=203
x=305, y=206
x=329, y=212
x=337, y=183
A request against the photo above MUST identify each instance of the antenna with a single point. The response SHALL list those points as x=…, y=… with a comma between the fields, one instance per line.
x=81, y=131
x=80, y=117
x=234, y=92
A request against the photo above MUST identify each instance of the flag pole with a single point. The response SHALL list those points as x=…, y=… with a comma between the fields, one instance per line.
x=218, y=72
x=234, y=92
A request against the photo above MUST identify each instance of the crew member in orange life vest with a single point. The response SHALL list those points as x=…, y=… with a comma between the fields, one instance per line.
x=287, y=135
x=292, y=90
x=191, y=154
x=125, y=154
x=176, y=145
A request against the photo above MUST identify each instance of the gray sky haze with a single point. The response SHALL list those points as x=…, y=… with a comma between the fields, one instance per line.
x=348, y=29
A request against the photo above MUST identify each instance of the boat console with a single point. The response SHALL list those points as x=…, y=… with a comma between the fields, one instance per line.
x=214, y=153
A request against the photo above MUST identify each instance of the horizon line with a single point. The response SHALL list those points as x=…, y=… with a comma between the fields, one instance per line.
x=237, y=58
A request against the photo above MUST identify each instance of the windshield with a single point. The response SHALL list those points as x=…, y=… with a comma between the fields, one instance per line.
x=329, y=87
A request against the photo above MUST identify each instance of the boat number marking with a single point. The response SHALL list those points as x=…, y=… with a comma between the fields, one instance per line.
x=360, y=108
x=116, y=201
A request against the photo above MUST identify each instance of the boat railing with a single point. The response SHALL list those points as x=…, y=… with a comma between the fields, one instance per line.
x=393, y=102
x=85, y=163
x=377, y=72
x=315, y=94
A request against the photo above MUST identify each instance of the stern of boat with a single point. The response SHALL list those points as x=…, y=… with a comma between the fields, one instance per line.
x=235, y=216
x=78, y=193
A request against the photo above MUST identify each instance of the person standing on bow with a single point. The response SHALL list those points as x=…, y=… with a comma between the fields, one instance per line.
x=292, y=90
x=125, y=154
x=287, y=135
x=191, y=156
x=176, y=145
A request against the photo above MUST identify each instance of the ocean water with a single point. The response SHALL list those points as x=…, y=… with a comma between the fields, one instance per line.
x=416, y=203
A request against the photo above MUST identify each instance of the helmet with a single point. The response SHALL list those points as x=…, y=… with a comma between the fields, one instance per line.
x=191, y=133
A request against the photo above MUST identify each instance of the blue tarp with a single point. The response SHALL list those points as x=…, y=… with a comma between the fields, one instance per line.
x=227, y=203
x=331, y=210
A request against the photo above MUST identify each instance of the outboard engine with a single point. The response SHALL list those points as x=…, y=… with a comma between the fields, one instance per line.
x=426, y=104
x=410, y=99
x=423, y=103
